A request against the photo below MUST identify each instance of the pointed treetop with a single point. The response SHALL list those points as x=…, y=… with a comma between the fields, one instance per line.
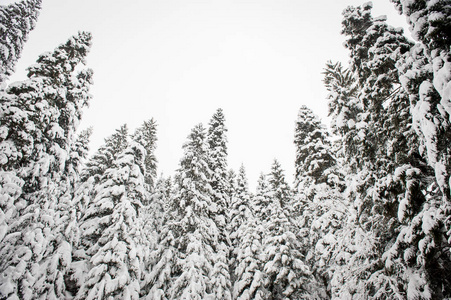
x=16, y=22
x=59, y=64
x=146, y=135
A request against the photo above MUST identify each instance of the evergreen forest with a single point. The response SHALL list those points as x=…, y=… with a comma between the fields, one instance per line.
x=368, y=215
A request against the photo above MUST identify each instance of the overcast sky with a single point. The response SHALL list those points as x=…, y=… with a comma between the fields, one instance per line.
x=179, y=60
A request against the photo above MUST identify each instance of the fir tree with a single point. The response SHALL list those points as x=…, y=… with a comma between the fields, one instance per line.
x=112, y=224
x=159, y=252
x=106, y=154
x=147, y=135
x=425, y=72
x=217, y=141
x=194, y=227
x=40, y=116
x=314, y=158
x=16, y=22
x=246, y=234
x=239, y=208
x=287, y=275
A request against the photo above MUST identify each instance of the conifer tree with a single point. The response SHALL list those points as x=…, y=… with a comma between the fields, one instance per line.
x=425, y=72
x=147, y=135
x=231, y=186
x=106, y=154
x=158, y=255
x=239, y=208
x=246, y=239
x=313, y=154
x=262, y=199
x=112, y=224
x=317, y=205
x=16, y=22
x=385, y=147
x=194, y=227
x=287, y=275
x=40, y=116
x=217, y=142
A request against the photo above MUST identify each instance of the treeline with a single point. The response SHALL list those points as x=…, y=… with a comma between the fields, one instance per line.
x=368, y=216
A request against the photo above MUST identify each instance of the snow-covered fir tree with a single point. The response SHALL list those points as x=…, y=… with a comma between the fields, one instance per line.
x=193, y=226
x=217, y=142
x=113, y=226
x=39, y=119
x=246, y=232
x=314, y=157
x=287, y=275
x=146, y=134
x=317, y=206
x=241, y=202
x=16, y=22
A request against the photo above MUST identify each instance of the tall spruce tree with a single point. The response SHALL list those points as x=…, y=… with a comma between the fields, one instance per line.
x=16, y=22
x=317, y=206
x=39, y=119
x=112, y=224
x=314, y=157
x=240, y=204
x=194, y=226
x=287, y=275
x=217, y=142
x=246, y=232
x=146, y=134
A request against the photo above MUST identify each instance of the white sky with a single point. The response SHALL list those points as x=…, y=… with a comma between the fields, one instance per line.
x=179, y=60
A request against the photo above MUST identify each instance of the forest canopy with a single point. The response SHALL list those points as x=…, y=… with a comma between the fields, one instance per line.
x=368, y=215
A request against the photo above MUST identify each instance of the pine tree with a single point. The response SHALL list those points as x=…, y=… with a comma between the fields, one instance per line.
x=106, y=154
x=425, y=72
x=314, y=158
x=287, y=275
x=194, y=227
x=317, y=206
x=217, y=141
x=40, y=116
x=147, y=135
x=246, y=235
x=231, y=186
x=262, y=199
x=159, y=251
x=112, y=225
x=239, y=208
x=16, y=22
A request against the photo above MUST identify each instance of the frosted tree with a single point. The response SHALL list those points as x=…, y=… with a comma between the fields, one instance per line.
x=425, y=72
x=287, y=275
x=231, y=185
x=112, y=225
x=159, y=252
x=106, y=154
x=249, y=278
x=240, y=205
x=388, y=166
x=280, y=190
x=246, y=232
x=262, y=199
x=217, y=142
x=40, y=116
x=146, y=134
x=238, y=214
x=314, y=157
x=318, y=207
x=193, y=225
x=16, y=22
